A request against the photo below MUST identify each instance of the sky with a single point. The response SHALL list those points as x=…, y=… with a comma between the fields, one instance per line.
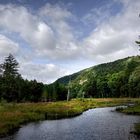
x=53, y=38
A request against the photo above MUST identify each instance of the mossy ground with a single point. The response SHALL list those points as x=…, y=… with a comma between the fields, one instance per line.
x=13, y=115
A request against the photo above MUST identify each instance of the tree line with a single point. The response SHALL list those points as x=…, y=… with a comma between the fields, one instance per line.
x=13, y=88
x=117, y=79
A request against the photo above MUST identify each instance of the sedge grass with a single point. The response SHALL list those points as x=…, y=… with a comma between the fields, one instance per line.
x=13, y=115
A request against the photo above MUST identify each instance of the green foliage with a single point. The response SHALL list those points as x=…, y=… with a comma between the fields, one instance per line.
x=15, y=89
x=10, y=67
x=116, y=79
x=120, y=78
x=3, y=102
x=56, y=92
x=65, y=80
x=13, y=117
x=135, y=110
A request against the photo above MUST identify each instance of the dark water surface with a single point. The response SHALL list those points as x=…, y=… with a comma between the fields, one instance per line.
x=94, y=124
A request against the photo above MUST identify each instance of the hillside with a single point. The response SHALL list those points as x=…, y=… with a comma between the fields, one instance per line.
x=65, y=80
x=115, y=79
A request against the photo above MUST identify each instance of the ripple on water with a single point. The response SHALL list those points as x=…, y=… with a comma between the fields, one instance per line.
x=94, y=124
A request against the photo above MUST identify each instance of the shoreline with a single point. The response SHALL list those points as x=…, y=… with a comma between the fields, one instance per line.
x=23, y=113
x=132, y=110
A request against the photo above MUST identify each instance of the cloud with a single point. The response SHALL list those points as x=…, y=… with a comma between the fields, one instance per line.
x=46, y=73
x=116, y=38
x=36, y=33
x=50, y=37
x=55, y=12
x=97, y=15
x=7, y=46
x=66, y=44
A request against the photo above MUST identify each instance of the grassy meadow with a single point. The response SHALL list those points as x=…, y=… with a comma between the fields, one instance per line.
x=13, y=115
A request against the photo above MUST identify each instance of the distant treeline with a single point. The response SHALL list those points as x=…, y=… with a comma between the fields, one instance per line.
x=55, y=92
x=116, y=79
x=120, y=78
x=13, y=87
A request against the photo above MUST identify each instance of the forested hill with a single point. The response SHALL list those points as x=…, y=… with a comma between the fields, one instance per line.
x=65, y=80
x=120, y=78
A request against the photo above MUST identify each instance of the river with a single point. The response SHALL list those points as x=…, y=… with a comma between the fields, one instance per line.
x=94, y=124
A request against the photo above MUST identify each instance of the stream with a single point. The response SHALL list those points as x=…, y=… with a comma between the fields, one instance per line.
x=94, y=124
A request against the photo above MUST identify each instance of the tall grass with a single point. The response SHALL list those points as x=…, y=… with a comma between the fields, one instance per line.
x=13, y=115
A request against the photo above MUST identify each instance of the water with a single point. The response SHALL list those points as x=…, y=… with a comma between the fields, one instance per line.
x=94, y=124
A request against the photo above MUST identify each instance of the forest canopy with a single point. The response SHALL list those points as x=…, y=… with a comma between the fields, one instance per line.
x=116, y=79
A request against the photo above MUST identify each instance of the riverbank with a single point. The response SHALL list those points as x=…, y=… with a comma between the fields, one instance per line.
x=132, y=110
x=13, y=115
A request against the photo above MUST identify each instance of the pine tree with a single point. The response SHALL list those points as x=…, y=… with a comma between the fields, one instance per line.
x=10, y=76
x=10, y=67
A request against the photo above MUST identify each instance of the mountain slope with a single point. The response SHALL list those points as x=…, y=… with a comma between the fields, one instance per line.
x=65, y=80
x=120, y=78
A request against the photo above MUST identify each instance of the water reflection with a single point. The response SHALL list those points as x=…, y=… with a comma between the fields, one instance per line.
x=94, y=124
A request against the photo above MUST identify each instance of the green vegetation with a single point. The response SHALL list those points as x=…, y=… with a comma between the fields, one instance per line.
x=12, y=115
x=134, y=110
x=13, y=88
x=116, y=79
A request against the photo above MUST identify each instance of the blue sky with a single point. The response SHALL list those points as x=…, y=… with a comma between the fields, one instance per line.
x=53, y=38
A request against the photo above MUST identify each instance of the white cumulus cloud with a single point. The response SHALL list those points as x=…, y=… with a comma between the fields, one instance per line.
x=116, y=38
x=46, y=73
x=7, y=46
x=47, y=35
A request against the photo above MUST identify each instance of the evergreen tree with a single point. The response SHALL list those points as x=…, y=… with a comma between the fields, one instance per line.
x=10, y=76
x=13, y=87
x=10, y=67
